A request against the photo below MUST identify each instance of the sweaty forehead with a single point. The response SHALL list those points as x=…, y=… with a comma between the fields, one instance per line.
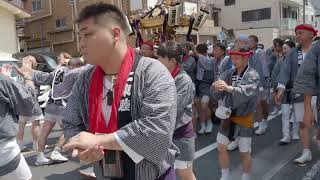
x=86, y=25
x=239, y=56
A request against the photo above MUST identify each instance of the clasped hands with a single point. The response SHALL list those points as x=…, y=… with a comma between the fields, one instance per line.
x=221, y=86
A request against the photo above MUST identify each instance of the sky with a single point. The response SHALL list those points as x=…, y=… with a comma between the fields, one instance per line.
x=151, y=3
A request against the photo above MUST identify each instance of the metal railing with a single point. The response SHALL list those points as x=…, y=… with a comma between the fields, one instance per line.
x=291, y=23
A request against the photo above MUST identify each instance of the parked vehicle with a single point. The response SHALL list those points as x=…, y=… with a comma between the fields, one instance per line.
x=47, y=62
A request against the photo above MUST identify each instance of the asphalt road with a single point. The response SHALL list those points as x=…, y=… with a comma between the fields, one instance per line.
x=270, y=161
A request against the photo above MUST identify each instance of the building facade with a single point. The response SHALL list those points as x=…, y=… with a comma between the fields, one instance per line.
x=51, y=27
x=9, y=13
x=266, y=19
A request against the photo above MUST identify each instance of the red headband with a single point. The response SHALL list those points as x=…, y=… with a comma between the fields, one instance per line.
x=240, y=53
x=306, y=27
x=148, y=43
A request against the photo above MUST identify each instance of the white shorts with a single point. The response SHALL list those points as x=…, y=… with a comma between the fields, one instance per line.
x=243, y=142
x=298, y=109
x=205, y=99
x=182, y=164
x=263, y=93
x=31, y=118
x=21, y=173
x=53, y=118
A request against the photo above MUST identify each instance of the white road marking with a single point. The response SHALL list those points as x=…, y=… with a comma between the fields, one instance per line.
x=205, y=150
x=34, y=152
x=275, y=169
x=214, y=146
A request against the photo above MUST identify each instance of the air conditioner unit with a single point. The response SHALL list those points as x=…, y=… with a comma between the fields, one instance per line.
x=71, y=1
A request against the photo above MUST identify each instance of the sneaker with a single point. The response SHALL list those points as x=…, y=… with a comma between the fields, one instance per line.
x=232, y=146
x=88, y=172
x=57, y=156
x=274, y=112
x=262, y=129
x=284, y=141
x=224, y=178
x=304, y=158
x=201, y=131
x=209, y=127
x=42, y=160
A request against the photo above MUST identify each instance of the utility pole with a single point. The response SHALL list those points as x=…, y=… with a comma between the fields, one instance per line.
x=304, y=11
x=42, y=36
x=75, y=7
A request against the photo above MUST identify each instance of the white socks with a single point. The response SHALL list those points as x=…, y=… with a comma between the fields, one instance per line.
x=35, y=145
x=264, y=122
x=245, y=176
x=306, y=151
x=57, y=149
x=225, y=173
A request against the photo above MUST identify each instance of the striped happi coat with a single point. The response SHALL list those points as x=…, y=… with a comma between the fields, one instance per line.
x=153, y=110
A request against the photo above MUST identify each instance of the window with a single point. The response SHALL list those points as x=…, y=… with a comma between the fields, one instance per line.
x=60, y=23
x=216, y=19
x=294, y=14
x=36, y=6
x=288, y=12
x=256, y=15
x=17, y=2
x=229, y=2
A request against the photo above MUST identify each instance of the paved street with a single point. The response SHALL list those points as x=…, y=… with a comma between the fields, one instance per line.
x=270, y=161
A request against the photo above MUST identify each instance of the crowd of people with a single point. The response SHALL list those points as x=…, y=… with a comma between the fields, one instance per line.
x=134, y=114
